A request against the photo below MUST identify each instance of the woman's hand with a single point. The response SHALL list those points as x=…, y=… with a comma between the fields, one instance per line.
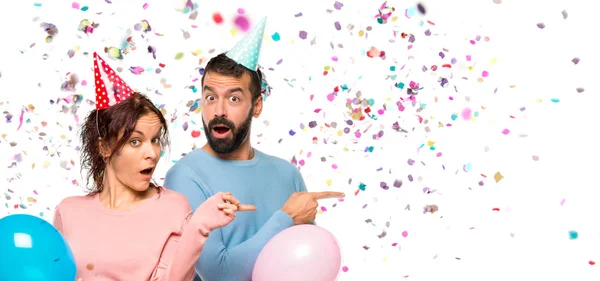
x=218, y=211
x=232, y=205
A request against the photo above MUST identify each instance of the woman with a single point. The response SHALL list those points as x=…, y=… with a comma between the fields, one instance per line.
x=127, y=227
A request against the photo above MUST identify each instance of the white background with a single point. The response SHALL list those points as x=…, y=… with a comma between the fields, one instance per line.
x=539, y=201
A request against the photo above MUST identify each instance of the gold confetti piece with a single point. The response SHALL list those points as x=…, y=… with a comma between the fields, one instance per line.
x=498, y=177
x=329, y=182
x=89, y=266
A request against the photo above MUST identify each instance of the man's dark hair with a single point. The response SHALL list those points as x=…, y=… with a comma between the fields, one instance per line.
x=223, y=65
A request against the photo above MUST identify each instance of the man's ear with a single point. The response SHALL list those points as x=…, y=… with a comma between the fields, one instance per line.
x=258, y=106
x=103, y=148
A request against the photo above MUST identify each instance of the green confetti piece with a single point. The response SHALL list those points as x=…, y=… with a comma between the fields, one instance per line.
x=179, y=56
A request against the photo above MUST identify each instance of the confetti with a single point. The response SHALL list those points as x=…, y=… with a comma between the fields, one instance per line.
x=242, y=23
x=498, y=177
x=385, y=104
x=302, y=34
x=217, y=18
x=421, y=8
x=575, y=60
x=276, y=37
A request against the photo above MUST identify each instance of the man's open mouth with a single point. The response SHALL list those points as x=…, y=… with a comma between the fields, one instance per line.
x=221, y=129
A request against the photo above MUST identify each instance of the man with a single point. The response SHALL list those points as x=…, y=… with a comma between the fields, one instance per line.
x=231, y=97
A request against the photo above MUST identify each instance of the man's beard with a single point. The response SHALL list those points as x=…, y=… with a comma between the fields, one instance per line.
x=229, y=144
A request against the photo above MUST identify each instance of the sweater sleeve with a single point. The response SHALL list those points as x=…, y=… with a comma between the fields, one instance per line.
x=181, y=251
x=57, y=221
x=217, y=262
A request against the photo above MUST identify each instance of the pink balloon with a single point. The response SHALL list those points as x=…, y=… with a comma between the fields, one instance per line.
x=299, y=253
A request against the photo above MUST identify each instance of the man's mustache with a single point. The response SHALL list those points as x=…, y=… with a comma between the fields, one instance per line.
x=221, y=121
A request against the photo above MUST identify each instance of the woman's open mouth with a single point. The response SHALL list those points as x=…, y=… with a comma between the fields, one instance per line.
x=147, y=172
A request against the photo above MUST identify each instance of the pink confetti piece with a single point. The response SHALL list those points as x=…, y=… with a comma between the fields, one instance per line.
x=83, y=83
x=21, y=119
x=485, y=74
x=404, y=233
x=242, y=23
x=505, y=131
x=344, y=268
x=145, y=6
x=334, y=166
x=323, y=209
x=75, y=5
x=562, y=202
x=330, y=97
x=466, y=113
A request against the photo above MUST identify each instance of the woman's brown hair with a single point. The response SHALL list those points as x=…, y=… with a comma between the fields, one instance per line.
x=103, y=127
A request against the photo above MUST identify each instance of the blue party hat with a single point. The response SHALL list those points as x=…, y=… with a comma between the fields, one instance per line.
x=247, y=51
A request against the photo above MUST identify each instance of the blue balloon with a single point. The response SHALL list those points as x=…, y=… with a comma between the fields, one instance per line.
x=31, y=249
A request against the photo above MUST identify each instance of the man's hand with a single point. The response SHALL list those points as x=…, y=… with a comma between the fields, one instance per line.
x=302, y=206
